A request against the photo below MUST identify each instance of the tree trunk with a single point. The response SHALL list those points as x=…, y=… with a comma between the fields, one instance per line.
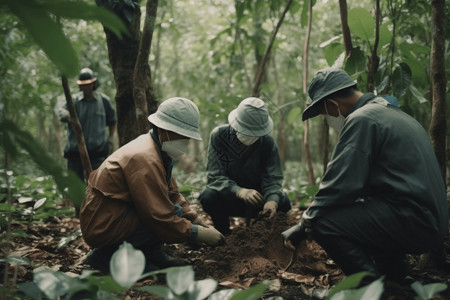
x=306, y=145
x=77, y=130
x=438, y=126
x=262, y=65
x=374, y=60
x=122, y=56
x=142, y=83
x=345, y=29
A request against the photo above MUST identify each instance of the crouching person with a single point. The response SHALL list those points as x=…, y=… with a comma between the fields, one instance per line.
x=383, y=194
x=133, y=197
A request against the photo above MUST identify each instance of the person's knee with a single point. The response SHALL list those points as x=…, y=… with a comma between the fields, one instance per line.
x=208, y=199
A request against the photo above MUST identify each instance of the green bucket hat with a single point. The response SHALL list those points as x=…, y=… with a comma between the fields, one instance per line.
x=324, y=83
x=251, y=117
x=179, y=115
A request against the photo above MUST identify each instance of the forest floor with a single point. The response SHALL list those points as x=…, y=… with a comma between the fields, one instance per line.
x=250, y=255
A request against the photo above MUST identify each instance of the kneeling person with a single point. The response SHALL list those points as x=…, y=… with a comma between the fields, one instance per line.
x=133, y=197
x=243, y=168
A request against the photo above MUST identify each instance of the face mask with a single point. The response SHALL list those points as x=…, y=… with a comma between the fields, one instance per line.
x=337, y=123
x=245, y=139
x=176, y=148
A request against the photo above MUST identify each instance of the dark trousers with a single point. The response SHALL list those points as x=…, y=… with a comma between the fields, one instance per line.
x=74, y=164
x=221, y=208
x=372, y=236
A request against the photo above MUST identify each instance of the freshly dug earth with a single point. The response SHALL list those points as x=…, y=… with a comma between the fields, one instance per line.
x=250, y=255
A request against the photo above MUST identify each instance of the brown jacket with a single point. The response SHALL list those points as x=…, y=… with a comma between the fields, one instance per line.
x=130, y=188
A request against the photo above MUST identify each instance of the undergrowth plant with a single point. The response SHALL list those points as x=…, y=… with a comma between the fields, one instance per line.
x=127, y=265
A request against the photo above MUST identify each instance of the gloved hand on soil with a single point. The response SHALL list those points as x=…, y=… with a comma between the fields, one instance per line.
x=200, y=221
x=294, y=236
x=251, y=197
x=269, y=210
x=210, y=236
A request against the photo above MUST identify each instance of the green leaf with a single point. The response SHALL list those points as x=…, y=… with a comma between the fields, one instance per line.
x=39, y=203
x=85, y=11
x=373, y=291
x=31, y=290
x=332, y=52
x=349, y=282
x=385, y=34
x=161, y=291
x=428, y=291
x=201, y=289
x=127, y=265
x=53, y=284
x=418, y=95
x=179, y=279
x=356, y=63
x=47, y=34
x=252, y=293
x=361, y=23
x=223, y=294
x=401, y=80
x=18, y=260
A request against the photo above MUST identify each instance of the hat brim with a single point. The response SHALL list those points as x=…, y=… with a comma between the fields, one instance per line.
x=86, y=81
x=312, y=110
x=232, y=119
x=160, y=123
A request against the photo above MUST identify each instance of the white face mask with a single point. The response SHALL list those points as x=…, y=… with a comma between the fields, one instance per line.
x=245, y=139
x=176, y=148
x=337, y=123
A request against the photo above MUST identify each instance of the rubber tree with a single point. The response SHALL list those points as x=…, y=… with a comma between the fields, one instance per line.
x=135, y=98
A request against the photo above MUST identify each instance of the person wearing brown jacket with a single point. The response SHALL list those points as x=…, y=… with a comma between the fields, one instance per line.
x=133, y=197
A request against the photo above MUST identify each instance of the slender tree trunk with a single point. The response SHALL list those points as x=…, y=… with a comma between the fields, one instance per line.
x=142, y=83
x=262, y=65
x=374, y=60
x=438, y=126
x=78, y=131
x=306, y=146
x=345, y=29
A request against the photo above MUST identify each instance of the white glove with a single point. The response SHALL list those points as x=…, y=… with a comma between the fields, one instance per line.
x=251, y=197
x=200, y=221
x=270, y=208
x=209, y=236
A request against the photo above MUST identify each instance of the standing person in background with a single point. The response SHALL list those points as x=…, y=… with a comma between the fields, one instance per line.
x=383, y=194
x=95, y=112
x=133, y=197
x=243, y=168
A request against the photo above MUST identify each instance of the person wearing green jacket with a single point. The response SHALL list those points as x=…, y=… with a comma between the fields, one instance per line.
x=244, y=173
x=383, y=194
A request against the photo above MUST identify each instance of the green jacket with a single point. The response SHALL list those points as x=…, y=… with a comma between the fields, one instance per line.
x=232, y=165
x=384, y=154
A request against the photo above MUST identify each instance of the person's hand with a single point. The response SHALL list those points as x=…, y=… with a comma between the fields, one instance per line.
x=251, y=197
x=200, y=221
x=270, y=208
x=210, y=236
x=294, y=236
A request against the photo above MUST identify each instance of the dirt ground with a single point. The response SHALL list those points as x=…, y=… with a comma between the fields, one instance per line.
x=250, y=255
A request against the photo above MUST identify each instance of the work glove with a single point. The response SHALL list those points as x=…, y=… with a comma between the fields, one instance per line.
x=251, y=197
x=270, y=208
x=294, y=236
x=200, y=221
x=209, y=236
